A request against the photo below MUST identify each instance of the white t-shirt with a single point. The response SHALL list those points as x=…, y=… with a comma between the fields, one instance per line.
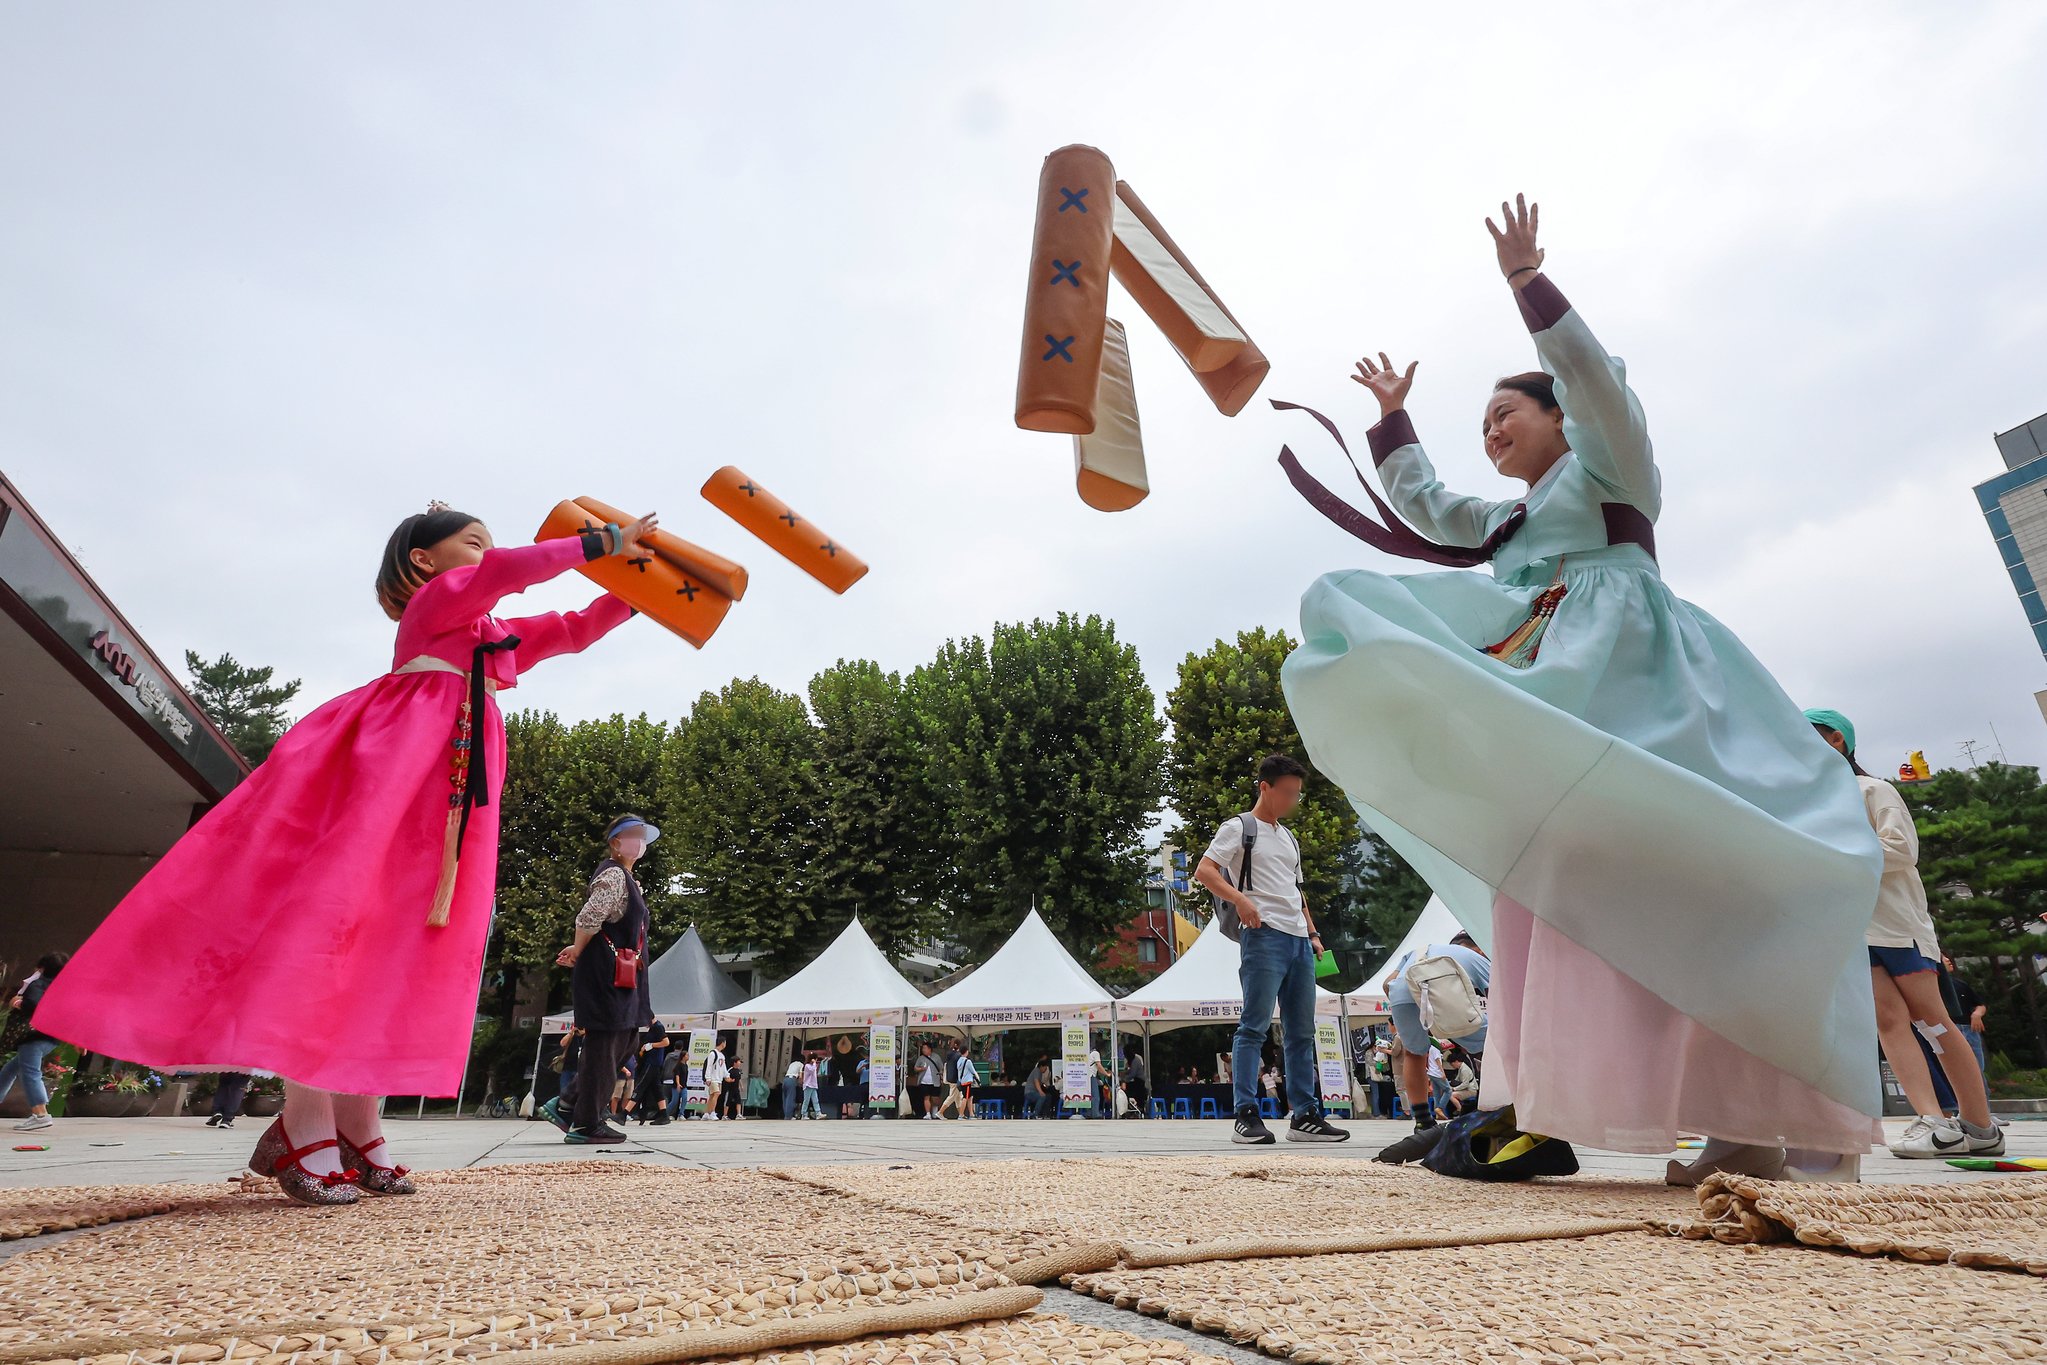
x=1436, y=1062
x=1275, y=872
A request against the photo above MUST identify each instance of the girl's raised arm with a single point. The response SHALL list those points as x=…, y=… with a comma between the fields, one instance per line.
x=450, y=600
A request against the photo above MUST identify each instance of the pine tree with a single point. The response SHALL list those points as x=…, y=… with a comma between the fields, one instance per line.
x=242, y=701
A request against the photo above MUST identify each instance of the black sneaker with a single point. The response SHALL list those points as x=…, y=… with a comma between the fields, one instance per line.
x=213, y=1122
x=603, y=1137
x=661, y=1120
x=1314, y=1128
x=1251, y=1130
x=1413, y=1147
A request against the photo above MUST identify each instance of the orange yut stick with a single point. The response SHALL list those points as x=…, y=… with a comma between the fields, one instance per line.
x=788, y=535
x=658, y=589
x=1067, y=303
x=706, y=566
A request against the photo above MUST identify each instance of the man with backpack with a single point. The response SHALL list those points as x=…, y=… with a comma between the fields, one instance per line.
x=1451, y=979
x=1253, y=869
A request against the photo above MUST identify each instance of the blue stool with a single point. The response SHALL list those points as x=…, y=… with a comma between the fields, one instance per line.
x=1158, y=1107
x=991, y=1109
x=1208, y=1109
x=1268, y=1107
x=1183, y=1108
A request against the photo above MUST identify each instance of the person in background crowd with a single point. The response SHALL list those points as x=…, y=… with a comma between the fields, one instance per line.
x=1904, y=973
x=650, y=1104
x=613, y=920
x=1462, y=1082
x=1268, y=1083
x=1137, y=1079
x=1278, y=943
x=229, y=1089
x=959, y=1093
x=1439, y=1084
x=1383, y=1091
x=810, y=1105
x=716, y=1070
x=843, y=1073
x=1970, y=1013
x=622, y=1089
x=557, y=1110
x=925, y=1091
x=792, y=1086
x=36, y=1046
x=1044, y=1096
x=729, y=1096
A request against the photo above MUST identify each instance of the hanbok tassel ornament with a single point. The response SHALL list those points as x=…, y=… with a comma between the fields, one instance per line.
x=1519, y=649
x=468, y=780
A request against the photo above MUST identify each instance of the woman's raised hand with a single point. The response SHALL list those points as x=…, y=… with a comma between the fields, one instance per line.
x=631, y=533
x=1387, y=384
x=1520, y=257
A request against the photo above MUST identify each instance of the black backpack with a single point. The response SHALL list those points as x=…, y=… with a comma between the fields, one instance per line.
x=1225, y=913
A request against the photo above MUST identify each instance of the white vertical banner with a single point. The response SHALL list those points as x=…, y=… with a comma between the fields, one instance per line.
x=696, y=1098
x=1329, y=1066
x=1076, y=1088
x=881, y=1066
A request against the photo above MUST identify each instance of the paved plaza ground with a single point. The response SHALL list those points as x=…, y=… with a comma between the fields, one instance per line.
x=146, y=1150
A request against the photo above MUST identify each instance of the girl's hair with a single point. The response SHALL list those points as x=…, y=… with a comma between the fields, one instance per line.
x=398, y=578
x=1537, y=385
x=1823, y=731
x=49, y=964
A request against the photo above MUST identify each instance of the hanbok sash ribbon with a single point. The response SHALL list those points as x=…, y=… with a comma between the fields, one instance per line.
x=468, y=776
x=1395, y=536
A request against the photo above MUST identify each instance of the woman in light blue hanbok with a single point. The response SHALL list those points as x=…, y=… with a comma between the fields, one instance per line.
x=1672, y=873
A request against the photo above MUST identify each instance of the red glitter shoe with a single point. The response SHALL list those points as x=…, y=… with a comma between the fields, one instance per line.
x=277, y=1158
x=372, y=1178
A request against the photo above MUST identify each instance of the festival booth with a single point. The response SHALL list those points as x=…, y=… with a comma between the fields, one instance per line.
x=849, y=985
x=1202, y=988
x=1030, y=982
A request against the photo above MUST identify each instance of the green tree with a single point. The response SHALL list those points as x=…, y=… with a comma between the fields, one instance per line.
x=740, y=786
x=243, y=702
x=1044, y=751
x=1983, y=857
x=878, y=825
x=1228, y=711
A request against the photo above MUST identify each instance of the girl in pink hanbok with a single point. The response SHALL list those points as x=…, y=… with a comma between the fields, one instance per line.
x=327, y=920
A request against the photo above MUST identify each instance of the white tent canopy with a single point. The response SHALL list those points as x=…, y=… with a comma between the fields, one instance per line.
x=1201, y=988
x=1435, y=924
x=1030, y=982
x=848, y=983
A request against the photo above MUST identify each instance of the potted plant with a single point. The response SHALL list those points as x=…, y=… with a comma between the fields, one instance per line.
x=121, y=1092
x=266, y=1097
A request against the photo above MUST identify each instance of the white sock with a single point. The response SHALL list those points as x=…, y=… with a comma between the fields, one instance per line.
x=309, y=1117
x=356, y=1118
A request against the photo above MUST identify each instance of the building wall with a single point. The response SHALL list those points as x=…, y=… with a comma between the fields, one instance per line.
x=70, y=894
x=1153, y=926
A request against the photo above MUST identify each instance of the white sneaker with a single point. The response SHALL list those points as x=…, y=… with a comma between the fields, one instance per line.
x=1986, y=1146
x=1931, y=1139
x=34, y=1122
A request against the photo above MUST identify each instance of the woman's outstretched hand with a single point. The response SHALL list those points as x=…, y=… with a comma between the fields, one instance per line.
x=1387, y=384
x=1520, y=257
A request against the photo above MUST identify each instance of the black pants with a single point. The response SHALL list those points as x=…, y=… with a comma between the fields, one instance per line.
x=728, y=1100
x=228, y=1093
x=604, y=1052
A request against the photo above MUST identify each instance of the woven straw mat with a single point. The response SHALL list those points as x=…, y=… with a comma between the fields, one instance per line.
x=1986, y=1224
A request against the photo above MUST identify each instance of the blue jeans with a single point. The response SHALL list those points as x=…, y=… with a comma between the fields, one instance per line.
x=810, y=1106
x=27, y=1067
x=1276, y=968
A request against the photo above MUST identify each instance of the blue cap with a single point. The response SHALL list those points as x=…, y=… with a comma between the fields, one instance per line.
x=626, y=824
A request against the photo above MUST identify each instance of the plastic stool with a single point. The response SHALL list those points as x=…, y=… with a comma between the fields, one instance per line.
x=1208, y=1108
x=1183, y=1108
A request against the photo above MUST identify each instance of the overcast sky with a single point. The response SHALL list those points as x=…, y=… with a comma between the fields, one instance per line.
x=272, y=277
